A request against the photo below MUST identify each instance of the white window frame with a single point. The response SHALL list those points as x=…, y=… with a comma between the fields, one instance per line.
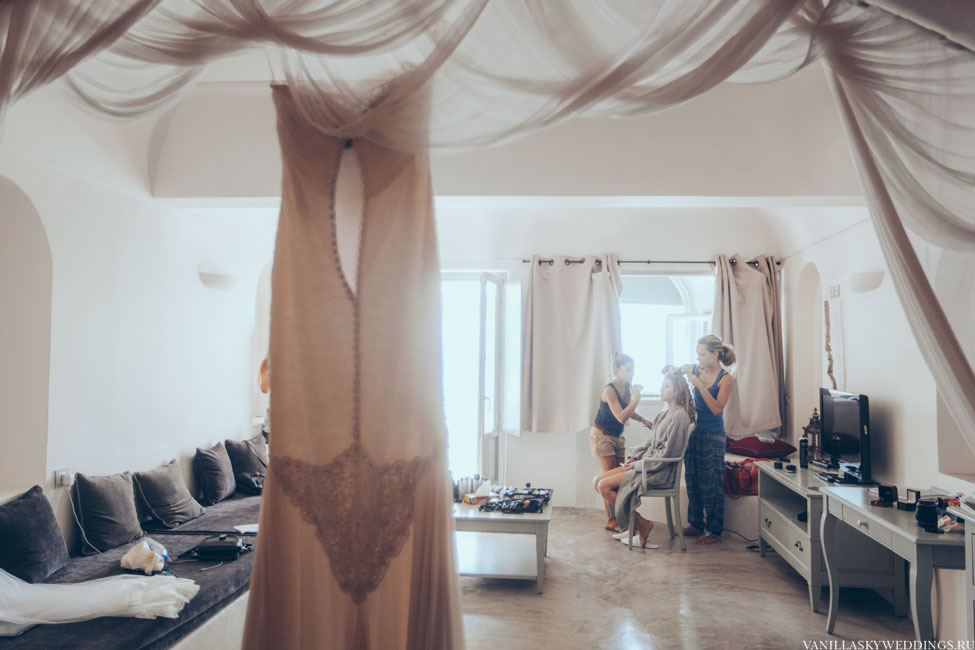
x=489, y=430
x=671, y=321
x=653, y=393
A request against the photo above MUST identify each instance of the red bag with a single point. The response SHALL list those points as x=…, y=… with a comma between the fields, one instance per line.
x=741, y=479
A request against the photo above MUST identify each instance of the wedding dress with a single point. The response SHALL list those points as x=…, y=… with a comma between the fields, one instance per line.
x=356, y=545
x=23, y=604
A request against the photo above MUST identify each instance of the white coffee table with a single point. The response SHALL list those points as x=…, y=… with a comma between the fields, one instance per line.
x=482, y=551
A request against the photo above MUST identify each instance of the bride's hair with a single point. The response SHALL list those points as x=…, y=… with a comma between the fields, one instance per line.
x=682, y=394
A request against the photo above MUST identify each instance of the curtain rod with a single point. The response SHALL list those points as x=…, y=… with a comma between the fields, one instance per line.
x=599, y=262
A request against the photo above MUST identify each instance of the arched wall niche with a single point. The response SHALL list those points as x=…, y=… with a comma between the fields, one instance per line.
x=806, y=343
x=25, y=341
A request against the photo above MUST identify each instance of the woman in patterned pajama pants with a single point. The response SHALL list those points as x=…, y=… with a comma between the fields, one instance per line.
x=705, y=451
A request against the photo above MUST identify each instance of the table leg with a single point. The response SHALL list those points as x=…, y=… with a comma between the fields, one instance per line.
x=901, y=606
x=922, y=574
x=761, y=546
x=815, y=595
x=541, y=546
x=827, y=529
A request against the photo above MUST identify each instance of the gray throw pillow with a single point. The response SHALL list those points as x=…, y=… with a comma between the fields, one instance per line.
x=249, y=458
x=105, y=506
x=31, y=544
x=214, y=474
x=163, y=491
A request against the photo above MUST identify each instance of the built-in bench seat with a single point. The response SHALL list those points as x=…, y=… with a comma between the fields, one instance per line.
x=219, y=587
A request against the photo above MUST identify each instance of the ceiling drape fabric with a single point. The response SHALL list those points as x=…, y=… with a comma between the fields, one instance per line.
x=906, y=98
x=42, y=41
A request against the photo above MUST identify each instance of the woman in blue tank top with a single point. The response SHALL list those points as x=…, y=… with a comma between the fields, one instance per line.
x=704, y=462
x=617, y=405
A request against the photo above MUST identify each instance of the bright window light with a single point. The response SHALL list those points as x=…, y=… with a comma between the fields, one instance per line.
x=461, y=346
x=662, y=317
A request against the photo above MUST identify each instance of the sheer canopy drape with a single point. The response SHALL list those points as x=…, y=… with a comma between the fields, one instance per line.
x=906, y=98
x=42, y=41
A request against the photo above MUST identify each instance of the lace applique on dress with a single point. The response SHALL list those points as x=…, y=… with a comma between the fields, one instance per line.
x=362, y=511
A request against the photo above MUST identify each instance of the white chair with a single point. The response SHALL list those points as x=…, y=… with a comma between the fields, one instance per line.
x=673, y=492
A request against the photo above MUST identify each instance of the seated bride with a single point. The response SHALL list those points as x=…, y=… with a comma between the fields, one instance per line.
x=668, y=436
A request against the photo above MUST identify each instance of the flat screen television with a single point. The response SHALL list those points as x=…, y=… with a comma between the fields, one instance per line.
x=845, y=436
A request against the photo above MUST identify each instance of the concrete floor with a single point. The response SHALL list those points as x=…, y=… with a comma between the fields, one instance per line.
x=600, y=595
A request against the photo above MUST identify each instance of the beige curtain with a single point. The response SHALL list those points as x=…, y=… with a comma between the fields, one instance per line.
x=570, y=331
x=747, y=315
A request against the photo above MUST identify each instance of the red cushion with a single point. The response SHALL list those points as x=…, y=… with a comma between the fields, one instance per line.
x=756, y=448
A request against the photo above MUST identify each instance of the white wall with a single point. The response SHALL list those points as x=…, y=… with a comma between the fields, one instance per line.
x=876, y=355
x=737, y=140
x=146, y=363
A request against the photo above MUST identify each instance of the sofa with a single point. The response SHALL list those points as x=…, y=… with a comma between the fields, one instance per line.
x=221, y=586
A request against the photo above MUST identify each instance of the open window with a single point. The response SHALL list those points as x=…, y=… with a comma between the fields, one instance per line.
x=662, y=316
x=481, y=369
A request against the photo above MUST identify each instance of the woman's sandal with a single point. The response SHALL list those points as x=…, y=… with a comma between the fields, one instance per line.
x=707, y=538
x=613, y=529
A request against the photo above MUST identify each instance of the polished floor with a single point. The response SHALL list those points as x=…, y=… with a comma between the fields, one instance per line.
x=600, y=595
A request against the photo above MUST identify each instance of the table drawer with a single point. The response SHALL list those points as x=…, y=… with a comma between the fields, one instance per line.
x=869, y=528
x=785, y=536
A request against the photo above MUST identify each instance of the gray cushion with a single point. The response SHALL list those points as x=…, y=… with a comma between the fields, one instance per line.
x=214, y=474
x=163, y=491
x=31, y=544
x=105, y=506
x=249, y=458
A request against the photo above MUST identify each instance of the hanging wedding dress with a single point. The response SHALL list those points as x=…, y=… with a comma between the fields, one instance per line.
x=23, y=605
x=355, y=548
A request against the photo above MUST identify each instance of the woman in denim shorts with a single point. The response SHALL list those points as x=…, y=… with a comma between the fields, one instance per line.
x=617, y=404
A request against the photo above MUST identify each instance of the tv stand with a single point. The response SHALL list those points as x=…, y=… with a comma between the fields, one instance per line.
x=836, y=479
x=782, y=497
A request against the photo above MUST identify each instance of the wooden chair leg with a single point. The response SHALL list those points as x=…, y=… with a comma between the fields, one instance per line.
x=680, y=524
x=629, y=530
x=670, y=520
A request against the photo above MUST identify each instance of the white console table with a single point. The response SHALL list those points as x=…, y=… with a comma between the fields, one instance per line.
x=895, y=530
x=969, y=518
x=498, y=545
x=782, y=496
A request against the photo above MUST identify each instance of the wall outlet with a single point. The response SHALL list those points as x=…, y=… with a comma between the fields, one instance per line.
x=834, y=291
x=62, y=477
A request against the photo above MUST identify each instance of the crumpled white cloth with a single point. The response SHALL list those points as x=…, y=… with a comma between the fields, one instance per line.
x=149, y=556
x=23, y=605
